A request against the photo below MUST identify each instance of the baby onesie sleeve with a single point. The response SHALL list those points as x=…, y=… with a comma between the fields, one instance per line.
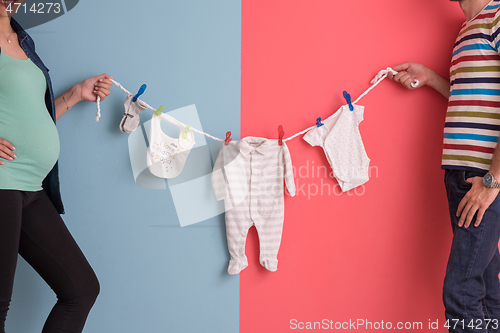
x=287, y=163
x=359, y=110
x=315, y=137
x=218, y=178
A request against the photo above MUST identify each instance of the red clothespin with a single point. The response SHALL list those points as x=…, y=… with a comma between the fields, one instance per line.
x=281, y=133
x=228, y=138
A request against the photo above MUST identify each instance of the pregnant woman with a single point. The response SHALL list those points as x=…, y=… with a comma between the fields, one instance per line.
x=30, y=202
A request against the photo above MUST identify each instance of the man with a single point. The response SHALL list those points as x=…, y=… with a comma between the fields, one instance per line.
x=471, y=160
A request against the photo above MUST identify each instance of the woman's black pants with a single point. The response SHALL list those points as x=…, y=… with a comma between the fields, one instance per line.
x=31, y=226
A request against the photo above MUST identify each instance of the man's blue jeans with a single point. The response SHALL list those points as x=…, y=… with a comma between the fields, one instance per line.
x=471, y=291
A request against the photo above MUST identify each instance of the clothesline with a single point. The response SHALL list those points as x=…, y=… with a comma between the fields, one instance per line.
x=378, y=78
x=149, y=107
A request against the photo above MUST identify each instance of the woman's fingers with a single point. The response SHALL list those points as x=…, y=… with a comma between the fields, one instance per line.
x=7, y=144
x=5, y=156
x=101, y=88
x=102, y=94
x=6, y=151
x=102, y=85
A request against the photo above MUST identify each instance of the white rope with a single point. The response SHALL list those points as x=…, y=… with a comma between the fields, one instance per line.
x=297, y=134
x=378, y=78
x=149, y=107
x=98, y=115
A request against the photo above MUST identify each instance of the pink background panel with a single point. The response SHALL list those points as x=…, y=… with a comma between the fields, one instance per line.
x=379, y=252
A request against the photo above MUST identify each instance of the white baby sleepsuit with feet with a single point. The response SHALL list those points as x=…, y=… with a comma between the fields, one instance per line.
x=341, y=140
x=248, y=175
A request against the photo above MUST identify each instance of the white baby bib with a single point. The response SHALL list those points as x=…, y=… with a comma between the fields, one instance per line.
x=167, y=156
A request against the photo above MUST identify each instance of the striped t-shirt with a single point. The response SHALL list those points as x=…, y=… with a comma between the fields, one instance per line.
x=473, y=118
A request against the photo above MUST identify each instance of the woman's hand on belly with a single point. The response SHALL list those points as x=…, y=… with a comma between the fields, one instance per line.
x=6, y=151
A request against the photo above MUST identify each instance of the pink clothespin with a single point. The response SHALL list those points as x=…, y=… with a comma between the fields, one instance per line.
x=281, y=133
x=228, y=138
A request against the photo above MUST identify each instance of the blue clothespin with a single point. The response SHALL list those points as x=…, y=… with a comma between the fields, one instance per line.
x=141, y=91
x=318, y=122
x=348, y=99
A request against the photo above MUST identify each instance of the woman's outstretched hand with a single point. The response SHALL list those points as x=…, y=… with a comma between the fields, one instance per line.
x=95, y=86
x=87, y=90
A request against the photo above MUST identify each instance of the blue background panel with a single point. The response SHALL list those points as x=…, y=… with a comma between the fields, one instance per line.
x=155, y=276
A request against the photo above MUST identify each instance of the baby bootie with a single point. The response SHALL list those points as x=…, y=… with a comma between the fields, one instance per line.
x=131, y=119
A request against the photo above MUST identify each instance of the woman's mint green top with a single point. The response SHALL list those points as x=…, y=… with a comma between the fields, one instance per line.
x=26, y=123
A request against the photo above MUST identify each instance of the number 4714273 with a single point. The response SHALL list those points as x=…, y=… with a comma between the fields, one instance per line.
x=477, y=324
x=38, y=8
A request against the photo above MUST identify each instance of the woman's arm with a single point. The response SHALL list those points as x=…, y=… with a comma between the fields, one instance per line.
x=86, y=90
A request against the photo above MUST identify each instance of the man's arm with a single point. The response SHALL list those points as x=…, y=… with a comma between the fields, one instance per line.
x=411, y=71
x=479, y=197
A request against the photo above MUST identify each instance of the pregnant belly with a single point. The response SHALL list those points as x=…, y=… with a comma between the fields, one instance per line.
x=37, y=151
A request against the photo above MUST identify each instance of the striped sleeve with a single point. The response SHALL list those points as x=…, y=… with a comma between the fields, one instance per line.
x=495, y=30
x=218, y=180
x=289, y=181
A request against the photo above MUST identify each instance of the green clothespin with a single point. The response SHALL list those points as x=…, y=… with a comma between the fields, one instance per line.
x=160, y=109
x=186, y=131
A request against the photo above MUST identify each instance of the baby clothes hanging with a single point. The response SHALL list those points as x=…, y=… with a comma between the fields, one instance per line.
x=248, y=175
x=341, y=140
x=167, y=156
x=131, y=119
